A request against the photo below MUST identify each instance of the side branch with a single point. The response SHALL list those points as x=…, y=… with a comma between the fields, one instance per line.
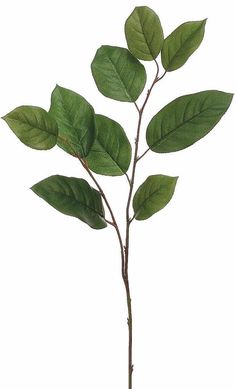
x=114, y=223
x=142, y=155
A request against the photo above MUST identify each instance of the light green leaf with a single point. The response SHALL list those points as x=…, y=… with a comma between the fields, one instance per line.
x=186, y=120
x=144, y=33
x=118, y=74
x=181, y=43
x=33, y=126
x=153, y=195
x=111, y=152
x=75, y=118
x=73, y=197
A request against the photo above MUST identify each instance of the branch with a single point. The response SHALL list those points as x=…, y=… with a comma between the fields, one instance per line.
x=113, y=222
x=142, y=155
x=140, y=112
x=128, y=179
x=155, y=81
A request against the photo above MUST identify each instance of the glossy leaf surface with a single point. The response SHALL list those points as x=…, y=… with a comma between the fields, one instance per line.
x=144, y=33
x=111, y=152
x=118, y=74
x=73, y=197
x=33, y=126
x=186, y=120
x=75, y=118
x=153, y=195
x=182, y=43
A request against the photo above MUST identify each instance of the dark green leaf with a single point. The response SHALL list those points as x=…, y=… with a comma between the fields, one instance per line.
x=153, y=195
x=73, y=197
x=186, y=120
x=75, y=118
x=144, y=33
x=33, y=126
x=118, y=74
x=181, y=43
x=111, y=152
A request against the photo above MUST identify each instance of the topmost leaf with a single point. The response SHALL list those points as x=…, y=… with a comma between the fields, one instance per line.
x=144, y=33
x=182, y=43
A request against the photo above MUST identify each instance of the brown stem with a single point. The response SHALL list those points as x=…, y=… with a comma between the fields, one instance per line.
x=128, y=222
x=114, y=223
x=155, y=81
x=125, y=249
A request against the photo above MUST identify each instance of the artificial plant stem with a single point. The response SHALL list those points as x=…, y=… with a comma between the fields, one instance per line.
x=114, y=223
x=142, y=155
x=128, y=222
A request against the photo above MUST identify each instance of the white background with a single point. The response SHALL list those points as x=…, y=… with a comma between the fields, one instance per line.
x=62, y=302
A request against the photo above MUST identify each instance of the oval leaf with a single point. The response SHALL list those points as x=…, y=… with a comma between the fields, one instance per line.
x=144, y=33
x=186, y=120
x=181, y=43
x=118, y=74
x=75, y=118
x=33, y=126
x=111, y=152
x=73, y=197
x=153, y=195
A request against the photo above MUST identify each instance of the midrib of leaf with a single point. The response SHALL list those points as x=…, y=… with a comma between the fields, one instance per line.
x=120, y=79
x=176, y=128
x=105, y=151
x=148, y=198
x=71, y=121
x=177, y=52
x=142, y=26
x=79, y=202
x=33, y=126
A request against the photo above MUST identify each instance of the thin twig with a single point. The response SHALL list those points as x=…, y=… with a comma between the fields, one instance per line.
x=157, y=80
x=128, y=179
x=142, y=155
x=131, y=219
x=137, y=107
x=109, y=222
x=113, y=222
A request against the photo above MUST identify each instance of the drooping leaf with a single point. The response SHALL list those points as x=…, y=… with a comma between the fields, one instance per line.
x=111, y=152
x=181, y=43
x=153, y=195
x=73, y=197
x=144, y=33
x=118, y=74
x=33, y=126
x=186, y=120
x=75, y=118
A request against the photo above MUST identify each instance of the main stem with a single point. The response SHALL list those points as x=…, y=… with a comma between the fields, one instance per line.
x=125, y=275
x=125, y=249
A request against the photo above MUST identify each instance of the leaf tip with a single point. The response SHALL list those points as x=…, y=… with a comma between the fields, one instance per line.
x=32, y=188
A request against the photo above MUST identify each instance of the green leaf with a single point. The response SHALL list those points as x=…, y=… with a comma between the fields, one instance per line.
x=118, y=74
x=75, y=118
x=186, y=120
x=181, y=43
x=111, y=152
x=73, y=197
x=153, y=195
x=144, y=33
x=33, y=126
